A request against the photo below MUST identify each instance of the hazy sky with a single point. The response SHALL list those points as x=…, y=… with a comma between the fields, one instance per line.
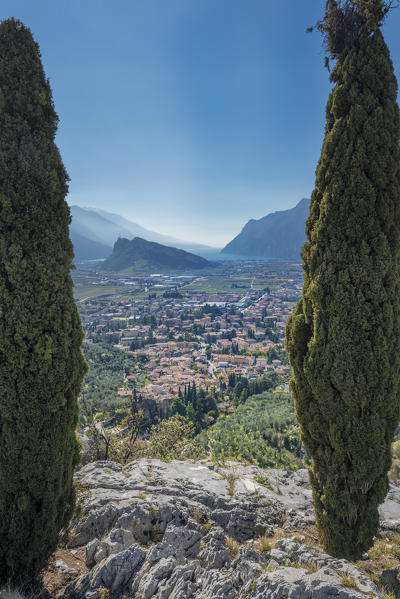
x=187, y=116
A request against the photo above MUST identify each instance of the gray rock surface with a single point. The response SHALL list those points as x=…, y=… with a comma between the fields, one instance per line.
x=115, y=573
x=298, y=583
x=64, y=568
x=117, y=540
x=391, y=577
x=173, y=531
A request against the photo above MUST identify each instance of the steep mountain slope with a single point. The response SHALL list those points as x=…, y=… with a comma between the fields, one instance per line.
x=99, y=228
x=139, y=254
x=88, y=249
x=138, y=231
x=279, y=235
x=104, y=228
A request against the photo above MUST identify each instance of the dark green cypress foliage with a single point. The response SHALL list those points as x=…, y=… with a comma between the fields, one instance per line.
x=343, y=338
x=41, y=363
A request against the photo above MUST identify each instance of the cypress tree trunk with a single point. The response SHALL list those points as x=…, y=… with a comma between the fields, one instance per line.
x=343, y=338
x=41, y=363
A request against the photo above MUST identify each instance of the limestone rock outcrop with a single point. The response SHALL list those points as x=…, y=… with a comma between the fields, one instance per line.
x=183, y=530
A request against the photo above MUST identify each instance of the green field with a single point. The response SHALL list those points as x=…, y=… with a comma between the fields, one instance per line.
x=83, y=292
x=219, y=284
x=229, y=284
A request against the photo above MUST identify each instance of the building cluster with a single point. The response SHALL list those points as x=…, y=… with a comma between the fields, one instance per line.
x=180, y=338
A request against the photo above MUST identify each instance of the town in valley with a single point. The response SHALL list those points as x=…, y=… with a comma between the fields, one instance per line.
x=176, y=331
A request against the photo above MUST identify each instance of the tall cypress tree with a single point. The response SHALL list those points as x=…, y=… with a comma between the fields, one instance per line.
x=343, y=338
x=41, y=363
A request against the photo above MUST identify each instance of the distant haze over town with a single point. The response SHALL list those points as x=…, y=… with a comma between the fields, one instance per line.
x=211, y=229
x=278, y=235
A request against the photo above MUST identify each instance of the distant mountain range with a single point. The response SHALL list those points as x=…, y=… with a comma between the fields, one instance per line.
x=279, y=235
x=94, y=232
x=141, y=255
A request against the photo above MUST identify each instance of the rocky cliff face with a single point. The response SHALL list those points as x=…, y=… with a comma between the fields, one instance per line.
x=189, y=531
x=279, y=235
x=139, y=254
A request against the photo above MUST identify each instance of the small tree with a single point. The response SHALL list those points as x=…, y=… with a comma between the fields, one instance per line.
x=41, y=362
x=172, y=439
x=123, y=440
x=100, y=439
x=343, y=339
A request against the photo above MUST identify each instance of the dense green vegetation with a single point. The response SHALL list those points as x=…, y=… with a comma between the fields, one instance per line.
x=344, y=336
x=198, y=406
x=173, y=439
x=41, y=363
x=262, y=431
x=107, y=369
x=240, y=388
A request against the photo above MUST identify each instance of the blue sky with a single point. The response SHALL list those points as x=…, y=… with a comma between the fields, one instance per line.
x=187, y=116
